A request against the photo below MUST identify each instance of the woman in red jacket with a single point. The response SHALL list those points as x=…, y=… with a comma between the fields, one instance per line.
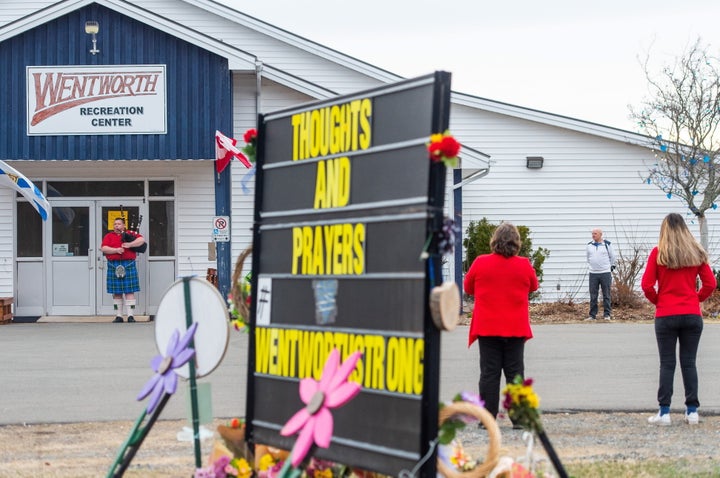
x=501, y=283
x=674, y=266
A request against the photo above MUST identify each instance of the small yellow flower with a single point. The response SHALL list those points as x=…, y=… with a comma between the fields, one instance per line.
x=436, y=138
x=266, y=462
x=243, y=467
x=326, y=473
x=533, y=400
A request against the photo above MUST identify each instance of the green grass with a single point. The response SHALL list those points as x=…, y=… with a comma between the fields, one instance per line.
x=685, y=468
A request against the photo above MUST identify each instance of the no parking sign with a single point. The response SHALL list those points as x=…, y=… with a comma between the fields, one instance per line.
x=221, y=229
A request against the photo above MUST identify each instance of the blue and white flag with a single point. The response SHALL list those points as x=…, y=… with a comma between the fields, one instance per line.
x=13, y=179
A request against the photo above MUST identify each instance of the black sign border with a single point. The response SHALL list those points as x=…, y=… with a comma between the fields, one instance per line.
x=440, y=118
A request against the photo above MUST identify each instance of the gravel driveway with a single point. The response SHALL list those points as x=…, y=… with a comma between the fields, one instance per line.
x=88, y=449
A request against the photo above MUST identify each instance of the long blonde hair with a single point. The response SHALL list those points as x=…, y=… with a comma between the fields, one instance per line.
x=677, y=247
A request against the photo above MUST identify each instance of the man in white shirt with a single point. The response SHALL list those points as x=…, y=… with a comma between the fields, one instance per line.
x=601, y=262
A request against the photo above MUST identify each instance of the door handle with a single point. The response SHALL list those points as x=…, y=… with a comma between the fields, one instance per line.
x=90, y=258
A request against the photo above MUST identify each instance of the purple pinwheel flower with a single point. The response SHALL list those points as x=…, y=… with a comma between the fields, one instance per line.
x=165, y=378
x=332, y=391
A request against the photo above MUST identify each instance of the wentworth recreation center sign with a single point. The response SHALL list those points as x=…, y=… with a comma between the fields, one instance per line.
x=346, y=201
x=111, y=99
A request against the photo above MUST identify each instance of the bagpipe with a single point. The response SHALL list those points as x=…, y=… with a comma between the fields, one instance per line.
x=127, y=237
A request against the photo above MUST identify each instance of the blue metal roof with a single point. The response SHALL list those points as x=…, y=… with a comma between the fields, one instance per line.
x=199, y=88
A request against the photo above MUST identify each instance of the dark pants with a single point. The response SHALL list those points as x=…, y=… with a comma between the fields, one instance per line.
x=600, y=281
x=498, y=354
x=686, y=330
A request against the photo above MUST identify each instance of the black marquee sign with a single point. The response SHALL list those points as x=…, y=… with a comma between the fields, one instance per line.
x=346, y=199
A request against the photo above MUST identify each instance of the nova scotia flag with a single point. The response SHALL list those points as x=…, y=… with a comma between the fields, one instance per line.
x=13, y=179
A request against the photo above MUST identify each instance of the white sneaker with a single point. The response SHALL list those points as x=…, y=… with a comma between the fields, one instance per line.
x=589, y=319
x=692, y=418
x=658, y=419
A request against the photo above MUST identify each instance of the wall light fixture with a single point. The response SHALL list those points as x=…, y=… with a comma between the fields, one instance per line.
x=92, y=28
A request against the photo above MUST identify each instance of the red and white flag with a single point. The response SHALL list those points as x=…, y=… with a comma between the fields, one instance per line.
x=225, y=149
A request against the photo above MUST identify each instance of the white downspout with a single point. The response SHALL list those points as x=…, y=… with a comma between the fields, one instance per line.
x=258, y=88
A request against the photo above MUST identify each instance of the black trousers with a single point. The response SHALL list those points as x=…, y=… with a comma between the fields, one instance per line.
x=600, y=281
x=498, y=355
x=669, y=332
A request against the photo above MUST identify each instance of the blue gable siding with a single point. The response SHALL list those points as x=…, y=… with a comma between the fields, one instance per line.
x=199, y=88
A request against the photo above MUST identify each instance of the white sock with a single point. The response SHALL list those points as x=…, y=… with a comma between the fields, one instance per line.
x=130, y=307
x=117, y=305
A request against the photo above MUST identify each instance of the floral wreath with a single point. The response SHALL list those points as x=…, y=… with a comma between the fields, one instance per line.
x=238, y=308
x=239, y=298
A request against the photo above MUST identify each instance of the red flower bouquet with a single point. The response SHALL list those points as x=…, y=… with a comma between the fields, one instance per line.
x=444, y=147
x=250, y=138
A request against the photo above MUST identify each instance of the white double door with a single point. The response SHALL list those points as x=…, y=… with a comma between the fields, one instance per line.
x=76, y=267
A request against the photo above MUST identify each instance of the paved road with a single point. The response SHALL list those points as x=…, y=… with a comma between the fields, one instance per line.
x=87, y=372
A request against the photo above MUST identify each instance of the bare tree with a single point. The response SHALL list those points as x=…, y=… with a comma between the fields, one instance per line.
x=682, y=113
x=631, y=259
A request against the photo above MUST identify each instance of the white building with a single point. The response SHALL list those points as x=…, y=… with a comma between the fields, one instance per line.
x=223, y=68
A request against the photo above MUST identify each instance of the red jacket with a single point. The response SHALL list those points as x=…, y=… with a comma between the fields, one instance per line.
x=114, y=239
x=501, y=286
x=676, y=292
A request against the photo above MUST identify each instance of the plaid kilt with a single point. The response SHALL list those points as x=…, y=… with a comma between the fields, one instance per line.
x=129, y=283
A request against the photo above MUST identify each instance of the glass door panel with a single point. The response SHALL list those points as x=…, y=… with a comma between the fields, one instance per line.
x=71, y=277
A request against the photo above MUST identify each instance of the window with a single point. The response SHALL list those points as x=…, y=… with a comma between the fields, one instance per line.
x=28, y=235
x=162, y=228
x=95, y=188
x=162, y=188
x=70, y=231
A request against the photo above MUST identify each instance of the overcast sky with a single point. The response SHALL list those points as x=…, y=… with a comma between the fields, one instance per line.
x=568, y=57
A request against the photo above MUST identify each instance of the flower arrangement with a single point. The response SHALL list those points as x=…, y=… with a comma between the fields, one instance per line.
x=269, y=466
x=225, y=467
x=240, y=297
x=444, y=147
x=238, y=308
x=455, y=455
x=273, y=465
x=233, y=435
x=250, y=138
x=318, y=468
x=522, y=404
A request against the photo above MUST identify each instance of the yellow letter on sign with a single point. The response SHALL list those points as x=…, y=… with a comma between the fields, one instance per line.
x=332, y=184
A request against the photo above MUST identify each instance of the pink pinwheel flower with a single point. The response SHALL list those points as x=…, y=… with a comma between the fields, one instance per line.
x=332, y=391
x=165, y=378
